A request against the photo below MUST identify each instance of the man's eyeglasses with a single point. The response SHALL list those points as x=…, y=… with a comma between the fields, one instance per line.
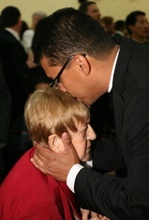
x=55, y=82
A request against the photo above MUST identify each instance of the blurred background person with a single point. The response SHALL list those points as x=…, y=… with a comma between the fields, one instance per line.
x=120, y=30
x=108, y=24
x=27, y=36
x=137, y=26
x=24, y=28
x=15, y=61
x=91, y=9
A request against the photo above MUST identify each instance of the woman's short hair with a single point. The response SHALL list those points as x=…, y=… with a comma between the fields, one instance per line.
x=51, y=111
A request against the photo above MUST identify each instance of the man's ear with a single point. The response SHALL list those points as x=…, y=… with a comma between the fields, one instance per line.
x=55, y=143
x=82, y=63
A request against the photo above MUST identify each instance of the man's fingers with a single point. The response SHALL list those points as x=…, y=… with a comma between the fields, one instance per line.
x=39, y=148
x=38, y=164
x=36, y=145
x=85, y=214
x=69, y=149
x=66, y=140
x=45, y=155
x=101, y=217
x=55, y=164
x=93, y=214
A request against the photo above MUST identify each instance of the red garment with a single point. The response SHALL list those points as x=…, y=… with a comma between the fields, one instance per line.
x=28, y=194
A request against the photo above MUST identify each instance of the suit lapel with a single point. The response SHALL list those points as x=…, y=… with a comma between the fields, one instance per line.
x=126, y=48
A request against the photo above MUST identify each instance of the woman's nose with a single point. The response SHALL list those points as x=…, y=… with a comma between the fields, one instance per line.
x=91, y=133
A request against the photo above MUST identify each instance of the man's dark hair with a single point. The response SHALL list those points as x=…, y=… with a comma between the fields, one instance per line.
x=10, y=16
x=84, y=6
x=107, y=20
x=119, y=25
x=68, y=32
x=132, y=18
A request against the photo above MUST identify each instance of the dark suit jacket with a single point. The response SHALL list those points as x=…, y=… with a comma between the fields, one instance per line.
x=123, y=198
x=5, y=112
x=13, y=57
x=5, y=108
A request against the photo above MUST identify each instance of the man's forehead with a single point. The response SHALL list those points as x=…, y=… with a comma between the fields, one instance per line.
x=141, y=17
x=44, y=61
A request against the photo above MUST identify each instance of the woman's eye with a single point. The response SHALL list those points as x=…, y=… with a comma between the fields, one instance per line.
x=84, y=133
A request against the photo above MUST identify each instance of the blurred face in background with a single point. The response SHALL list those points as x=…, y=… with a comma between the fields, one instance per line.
x=36, y=18
x=141, y=28
x=94, y=12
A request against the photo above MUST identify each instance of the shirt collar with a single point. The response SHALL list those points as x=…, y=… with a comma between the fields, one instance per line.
x=14, y=33
x=112, y=73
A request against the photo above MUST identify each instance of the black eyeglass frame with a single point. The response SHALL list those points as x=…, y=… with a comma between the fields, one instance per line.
x=54, y=83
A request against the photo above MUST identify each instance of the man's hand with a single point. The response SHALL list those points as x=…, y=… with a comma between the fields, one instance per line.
x=93, y=216
x=56, y=164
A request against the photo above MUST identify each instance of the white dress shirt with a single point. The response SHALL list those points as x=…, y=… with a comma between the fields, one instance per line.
x=14, y=33
x=27, y=39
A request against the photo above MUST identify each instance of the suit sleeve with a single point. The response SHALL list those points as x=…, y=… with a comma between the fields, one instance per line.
x=123, y=198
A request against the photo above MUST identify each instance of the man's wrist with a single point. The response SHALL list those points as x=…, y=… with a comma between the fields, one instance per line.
x=71, y=177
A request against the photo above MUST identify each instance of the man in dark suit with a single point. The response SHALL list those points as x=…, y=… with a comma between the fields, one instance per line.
x=137, y=26
x=14, y=58
x=5, y=112
x=89, y=65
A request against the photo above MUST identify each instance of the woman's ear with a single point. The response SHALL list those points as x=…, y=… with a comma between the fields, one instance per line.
x=82, y=64
x=55, y=143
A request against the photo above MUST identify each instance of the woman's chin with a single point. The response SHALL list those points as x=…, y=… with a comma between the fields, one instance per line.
x=86, y=158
